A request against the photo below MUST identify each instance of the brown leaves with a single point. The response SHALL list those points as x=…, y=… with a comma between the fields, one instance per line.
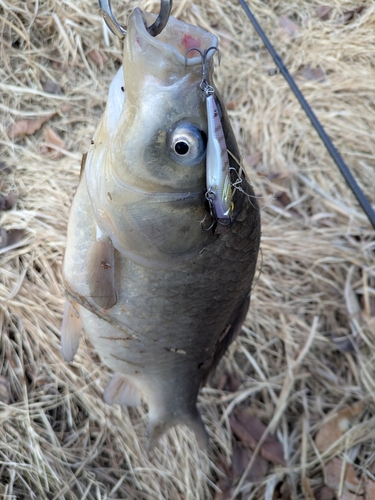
x=324, y=493
x=284, y=201
x=283, y=492
x=54, y=143
x=340, y=475
x=9, y=238
x=288, y=29
x=226, y=480
x=351, y=15
x=369, y=489
x=53, y=138
x=7, y=202
x=27, y=127
x=30, y=126
x=241, y=458
x=334, y=428
x=250, y=430
x=52, y=87
x=231, y=473
x=314, y=74
x=98, y=57
x=324, y=12
x=337, y=468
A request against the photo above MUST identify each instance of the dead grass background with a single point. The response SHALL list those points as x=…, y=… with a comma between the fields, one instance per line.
x=309, y=342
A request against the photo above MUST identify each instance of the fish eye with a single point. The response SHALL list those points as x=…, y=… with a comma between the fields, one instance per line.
x=181, y=148
x=186, y=143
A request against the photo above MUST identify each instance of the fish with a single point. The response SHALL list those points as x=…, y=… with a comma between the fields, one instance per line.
x=158, y=281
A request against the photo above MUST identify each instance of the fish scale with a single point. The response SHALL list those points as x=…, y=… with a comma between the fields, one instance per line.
x=178, y=294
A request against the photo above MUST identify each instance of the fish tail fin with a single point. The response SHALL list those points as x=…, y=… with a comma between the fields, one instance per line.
x=70, y=331
x=157, y=426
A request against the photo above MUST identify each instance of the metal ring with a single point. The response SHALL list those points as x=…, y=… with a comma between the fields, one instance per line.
x=116, y=28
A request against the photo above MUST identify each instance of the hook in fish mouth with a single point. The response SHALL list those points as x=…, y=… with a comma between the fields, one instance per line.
x=116, y=28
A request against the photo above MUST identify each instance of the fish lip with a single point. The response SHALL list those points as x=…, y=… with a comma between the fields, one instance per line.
x=139, y=18
x=162, y=195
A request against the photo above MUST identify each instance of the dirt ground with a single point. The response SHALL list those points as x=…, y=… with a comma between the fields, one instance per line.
x=303, y=366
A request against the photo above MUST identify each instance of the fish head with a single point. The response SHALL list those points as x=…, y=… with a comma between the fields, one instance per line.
x=165, y=123
x=146, y=168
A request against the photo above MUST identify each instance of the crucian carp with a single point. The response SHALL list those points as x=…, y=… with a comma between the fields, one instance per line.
x=164, y=229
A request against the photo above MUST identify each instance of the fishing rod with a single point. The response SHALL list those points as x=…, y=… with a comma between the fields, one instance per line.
x=344, y=169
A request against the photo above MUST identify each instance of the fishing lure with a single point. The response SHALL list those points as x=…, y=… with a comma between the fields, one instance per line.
x=218, y=183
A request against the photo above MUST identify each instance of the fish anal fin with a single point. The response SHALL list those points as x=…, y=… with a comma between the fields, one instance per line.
x=101, y=273
x=158, y=426
x=121, y=390
x=70, y=331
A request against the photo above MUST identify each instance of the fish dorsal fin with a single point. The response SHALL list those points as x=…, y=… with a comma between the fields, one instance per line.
x=158, y=426
x=120, y=390
x=101, y=271
x=70, y=330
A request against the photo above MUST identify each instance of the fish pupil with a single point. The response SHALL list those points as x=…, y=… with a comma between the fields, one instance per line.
x=181, y=148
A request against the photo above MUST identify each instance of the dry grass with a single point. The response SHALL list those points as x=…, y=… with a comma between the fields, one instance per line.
x=317, y=282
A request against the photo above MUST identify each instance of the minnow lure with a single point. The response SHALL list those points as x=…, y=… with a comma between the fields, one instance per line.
x=218, y=183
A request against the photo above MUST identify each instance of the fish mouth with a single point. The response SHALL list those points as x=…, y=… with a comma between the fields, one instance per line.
x=162, y=196
x=175, y=40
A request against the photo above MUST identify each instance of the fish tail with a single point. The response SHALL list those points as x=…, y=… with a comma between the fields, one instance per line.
x=157, y=426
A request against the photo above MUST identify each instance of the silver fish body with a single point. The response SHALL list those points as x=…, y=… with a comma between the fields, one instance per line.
x=160, y=297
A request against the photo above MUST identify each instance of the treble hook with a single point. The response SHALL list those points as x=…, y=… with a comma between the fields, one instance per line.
x=204, y=85
x=116, y=28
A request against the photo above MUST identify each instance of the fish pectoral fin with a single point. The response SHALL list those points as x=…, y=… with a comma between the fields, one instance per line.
x=70, y=330
x=120, y=390
x=158, y=426
x=101, y=273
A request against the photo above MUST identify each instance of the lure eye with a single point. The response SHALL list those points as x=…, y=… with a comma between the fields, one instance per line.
x=186, y=144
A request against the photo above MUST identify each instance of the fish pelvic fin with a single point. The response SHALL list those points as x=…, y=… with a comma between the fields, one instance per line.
x=101, y=273
x=121, y=390
x=70, y=330
x=157, y=426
